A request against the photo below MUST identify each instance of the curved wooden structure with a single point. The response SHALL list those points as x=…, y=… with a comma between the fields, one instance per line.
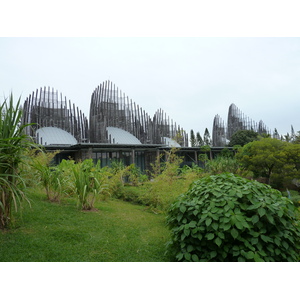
x=110, y=107
x=236, y=121
x=48, y=108
x=219, y=132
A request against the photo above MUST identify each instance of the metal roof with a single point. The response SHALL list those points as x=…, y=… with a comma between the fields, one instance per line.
x=170, y=142
x=54, y=136
x=120, y=136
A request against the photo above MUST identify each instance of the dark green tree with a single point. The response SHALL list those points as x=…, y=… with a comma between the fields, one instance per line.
x=264, y=157
x=199, y=139
x=243, y=137
x=206, y=138
x=193, y=139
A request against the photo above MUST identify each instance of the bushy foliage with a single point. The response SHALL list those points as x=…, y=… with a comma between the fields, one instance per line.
x=86, y=184
x=119, y=175
x=168, y=181
x=40, y=170
x=243, y=137
x=293, y=195
x=222, y=164
x=228, y=218
x=275, y=160
x=134, y=175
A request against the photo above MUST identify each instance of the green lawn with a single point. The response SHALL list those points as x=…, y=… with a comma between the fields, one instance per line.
x=117, y=232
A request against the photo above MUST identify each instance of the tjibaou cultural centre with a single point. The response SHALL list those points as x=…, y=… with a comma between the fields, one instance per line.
x=117, y=128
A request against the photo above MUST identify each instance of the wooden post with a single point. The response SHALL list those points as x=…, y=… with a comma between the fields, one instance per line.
x=133, y=156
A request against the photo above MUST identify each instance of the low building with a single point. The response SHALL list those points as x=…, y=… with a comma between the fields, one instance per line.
x=118, y=129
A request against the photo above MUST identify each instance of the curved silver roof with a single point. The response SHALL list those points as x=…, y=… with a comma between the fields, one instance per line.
x=120, y=136
x=54, y=136
x=170, y=142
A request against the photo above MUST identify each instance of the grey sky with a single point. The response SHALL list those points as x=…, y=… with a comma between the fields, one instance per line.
x=191, y=79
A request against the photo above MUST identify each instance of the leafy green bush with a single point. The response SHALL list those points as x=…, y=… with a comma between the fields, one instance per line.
x=50, y=177
x=222, y=164
x=134, y=195
x=165, y=187
x=293, y=195
x=134, y=175
x=86, y=185
x=243, y=137
x=228, y=218
x=273, y=159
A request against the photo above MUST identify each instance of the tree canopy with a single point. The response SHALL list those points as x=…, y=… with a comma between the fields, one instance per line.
x=243, y=137
x=271, y=157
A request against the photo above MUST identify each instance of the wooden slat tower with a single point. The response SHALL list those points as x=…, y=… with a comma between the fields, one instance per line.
x=111, y=108
x=45, y=108
x=236, y=121
x=219, y=132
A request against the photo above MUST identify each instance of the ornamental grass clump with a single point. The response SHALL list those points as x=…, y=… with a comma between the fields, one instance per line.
x=13, y=145
x=86, y=185
x=89, y=182
x=229, y=218
x=50, y=177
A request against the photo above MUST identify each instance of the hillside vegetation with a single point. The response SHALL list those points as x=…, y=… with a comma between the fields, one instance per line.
x=79, y=211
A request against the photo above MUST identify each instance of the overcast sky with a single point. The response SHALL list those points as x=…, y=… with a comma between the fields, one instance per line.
x=191, y=79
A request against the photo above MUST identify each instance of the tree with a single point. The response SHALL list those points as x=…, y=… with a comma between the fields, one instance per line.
x=243, y=137
x=291, y=169
x=199, y=140
x=203, y=157
x=193, y=139
x=206, y=138
x=263, y=157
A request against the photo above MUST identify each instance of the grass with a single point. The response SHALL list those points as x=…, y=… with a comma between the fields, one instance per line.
x=116, y=232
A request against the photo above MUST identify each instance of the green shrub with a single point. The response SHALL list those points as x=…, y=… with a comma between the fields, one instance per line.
x=228, y=218
x=88, y=184
x=134, y=175
x=66, y=170
x=164, y=189
x=293, y=195
x=222, y=164
x=134, y=195
x=50, y=177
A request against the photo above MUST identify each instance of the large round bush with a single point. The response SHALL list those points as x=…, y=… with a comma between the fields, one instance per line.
x=228, y=218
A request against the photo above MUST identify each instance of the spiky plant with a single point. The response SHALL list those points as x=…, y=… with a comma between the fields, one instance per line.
x=85, y=184
x=50, y=177
x=13, y=142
